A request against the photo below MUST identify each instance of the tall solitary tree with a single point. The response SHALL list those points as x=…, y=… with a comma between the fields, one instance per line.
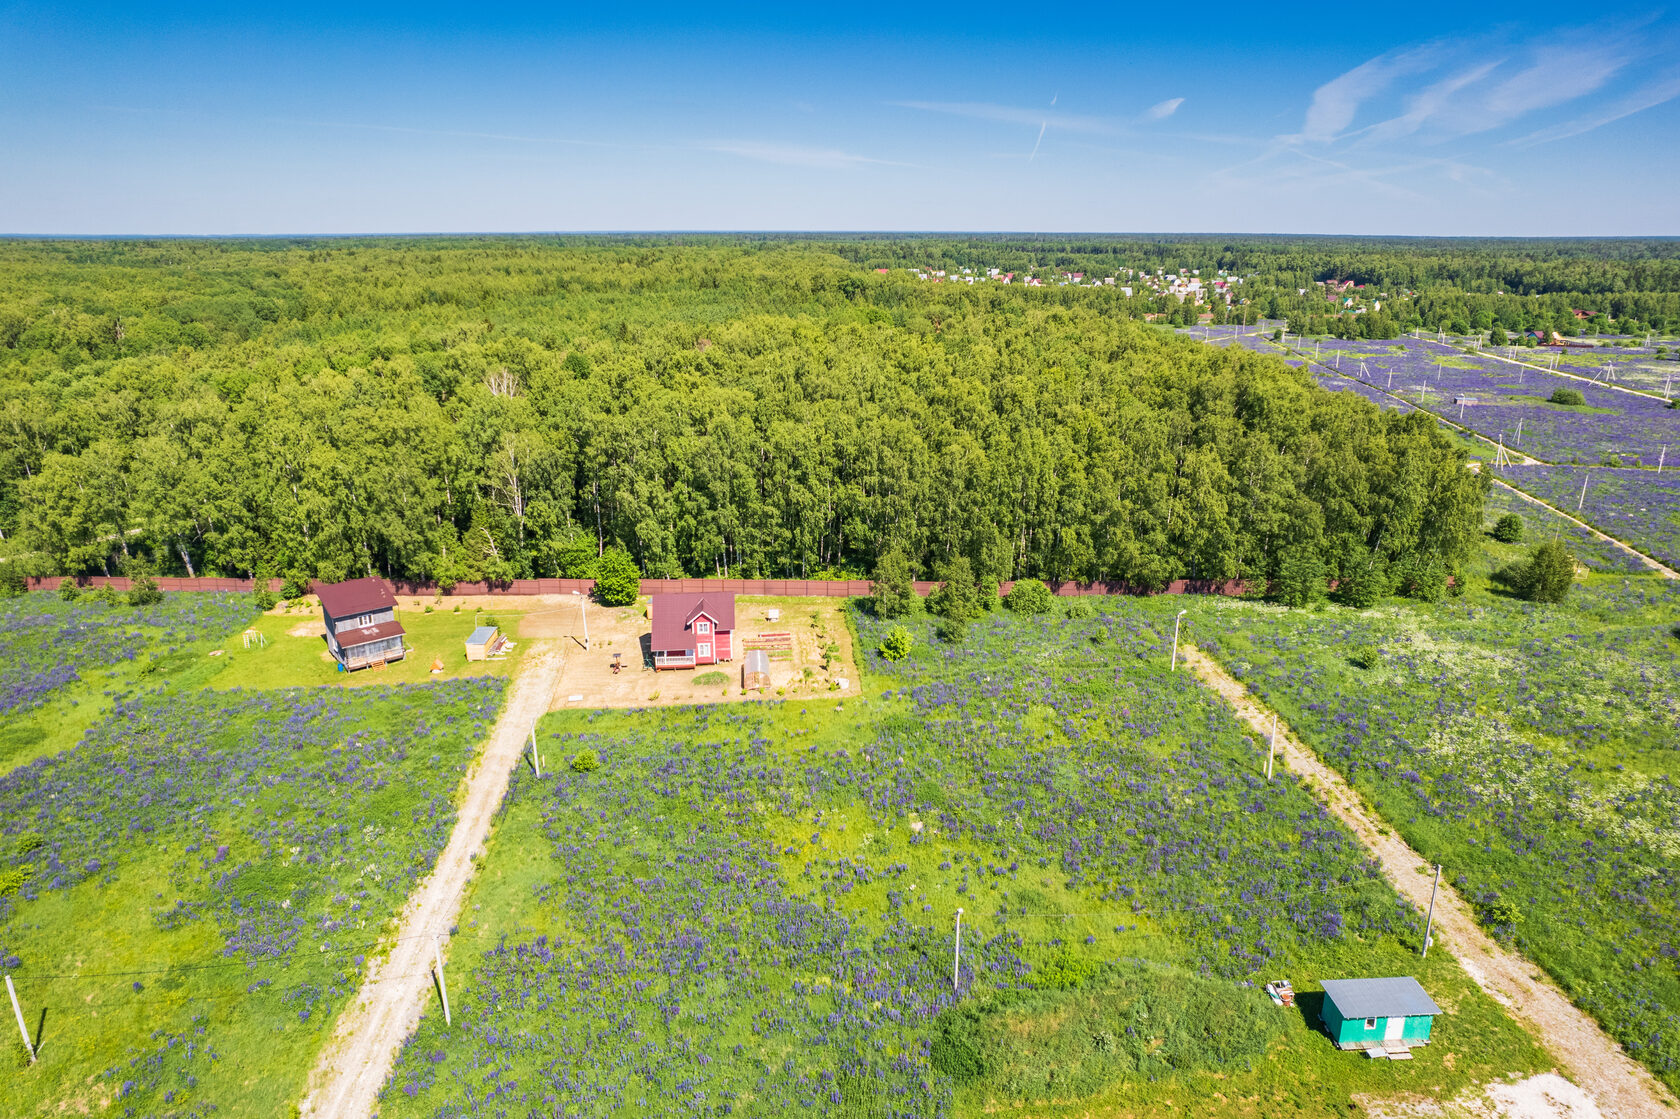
x=894, y=591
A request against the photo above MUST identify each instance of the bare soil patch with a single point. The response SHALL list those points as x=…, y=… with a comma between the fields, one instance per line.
x=814, y=654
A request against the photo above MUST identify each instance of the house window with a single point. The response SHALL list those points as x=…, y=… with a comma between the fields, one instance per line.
x=705, y=648
x=702, y=626
x=1370, y=1023
x=364, y=621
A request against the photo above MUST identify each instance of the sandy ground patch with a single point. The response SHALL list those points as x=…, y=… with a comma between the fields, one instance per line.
x=1547, y=1096
x=815, y=630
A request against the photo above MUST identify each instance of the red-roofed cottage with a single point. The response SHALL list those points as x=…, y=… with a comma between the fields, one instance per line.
x=362, y=626
x=691, y=629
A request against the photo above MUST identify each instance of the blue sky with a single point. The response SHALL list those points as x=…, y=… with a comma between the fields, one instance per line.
x=1421, y=119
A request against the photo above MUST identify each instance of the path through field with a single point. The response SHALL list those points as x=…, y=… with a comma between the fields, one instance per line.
x=347, y=1077
x=1622, y=1088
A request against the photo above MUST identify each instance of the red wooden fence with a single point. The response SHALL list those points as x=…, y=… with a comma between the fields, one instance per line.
x=789, y=588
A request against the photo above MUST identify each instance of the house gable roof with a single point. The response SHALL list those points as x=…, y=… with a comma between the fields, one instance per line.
x=355, y=596
x=1379, y=998
x=673, y=616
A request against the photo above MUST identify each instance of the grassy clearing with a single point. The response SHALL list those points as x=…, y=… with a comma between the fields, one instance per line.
x=192, y=890
x=750, y=908
x=300, y=659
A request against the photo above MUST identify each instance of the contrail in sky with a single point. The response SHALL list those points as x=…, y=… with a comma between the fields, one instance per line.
x=1041, y=129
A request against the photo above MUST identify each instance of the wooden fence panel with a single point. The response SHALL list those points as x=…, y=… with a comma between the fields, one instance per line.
x=779, y=588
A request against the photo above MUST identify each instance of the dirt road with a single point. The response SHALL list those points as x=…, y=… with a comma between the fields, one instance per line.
x=1666, y=572
x=1622, y=1088
x=347, y=1077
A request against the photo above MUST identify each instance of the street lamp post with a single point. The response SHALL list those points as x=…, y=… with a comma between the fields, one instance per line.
x=1173, y=667
x=956, y=958
x=583, y=606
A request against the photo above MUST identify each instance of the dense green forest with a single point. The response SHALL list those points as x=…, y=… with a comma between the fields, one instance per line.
x=457, y=408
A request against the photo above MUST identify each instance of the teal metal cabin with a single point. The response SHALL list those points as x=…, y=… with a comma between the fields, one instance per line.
x=1377, y=1013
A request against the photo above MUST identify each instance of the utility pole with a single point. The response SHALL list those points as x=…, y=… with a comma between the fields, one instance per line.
x=536, y=762
x=1271, y=747
x=1583, y=500
x=1173, y=667
x=18, y=1010
x=1660, y=459
x=443, y=987
x=956, y=959
x=1429, y=925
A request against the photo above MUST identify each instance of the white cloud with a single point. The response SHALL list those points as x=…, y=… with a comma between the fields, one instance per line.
x=1165, y=109
x=1336, y=102
x=1648, y=96
x=1429, y=102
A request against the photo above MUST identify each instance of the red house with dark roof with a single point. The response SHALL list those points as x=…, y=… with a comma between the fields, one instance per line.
x=692, y=629
x=362, y=626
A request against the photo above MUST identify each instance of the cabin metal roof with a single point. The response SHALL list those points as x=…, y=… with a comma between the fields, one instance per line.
x=1379, y=998
x=355, y=596
x=482, y=635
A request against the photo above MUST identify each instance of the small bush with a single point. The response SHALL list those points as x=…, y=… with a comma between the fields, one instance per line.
x=143, y=590
x=895, y=646
x=1077, y=609
x=1545, y=576
x=295, y=584
x=585, y=762
x=951, y=630
x=1568, y=396
x=1508, y=529
x=708, y=679
x=1029, y=596
x=12, y=580
x=69, y=591
x=12, y=879
x=1364, y=582
x=956, y=1049
x=1301, y=577
x=1365, y=656
x=263, y=598
x=104, y=595
x=617, y=582
x=1064, y=972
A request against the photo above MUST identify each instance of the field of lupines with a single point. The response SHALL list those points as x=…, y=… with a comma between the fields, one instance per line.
x=1639, y=506
x=48, y=647
x=1542, y=524
x=1534, y=751
x=749, y=909
x=1636, y=367
x=1511, y=401
x=188, y=895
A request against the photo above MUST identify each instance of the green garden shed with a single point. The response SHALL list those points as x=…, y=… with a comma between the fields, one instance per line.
x=1390, y=1015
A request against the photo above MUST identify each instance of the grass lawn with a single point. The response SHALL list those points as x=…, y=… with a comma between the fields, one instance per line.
x=293, y=659
x=752, y=907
